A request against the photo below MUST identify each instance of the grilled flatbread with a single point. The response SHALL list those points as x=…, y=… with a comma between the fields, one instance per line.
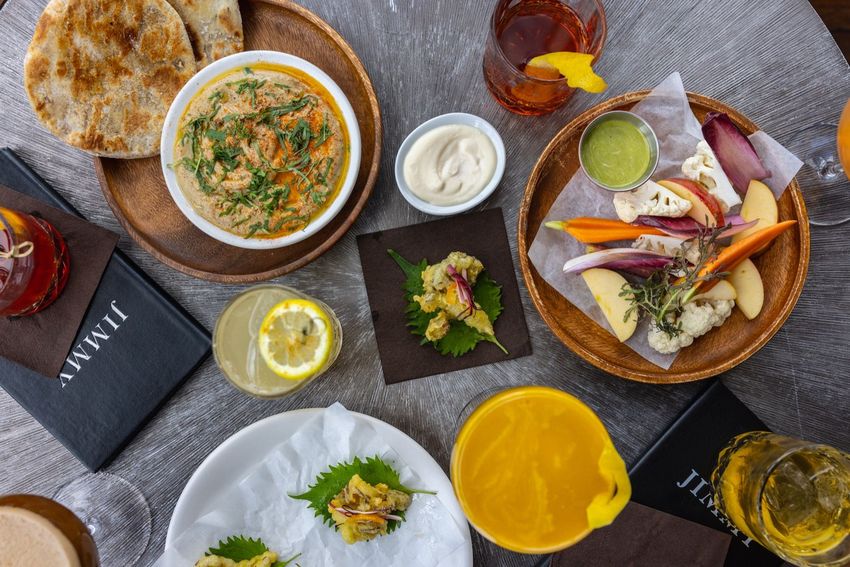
x=214, y=26
x=101, y=74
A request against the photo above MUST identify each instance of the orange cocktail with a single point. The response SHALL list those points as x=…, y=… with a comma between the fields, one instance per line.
x=535, y=470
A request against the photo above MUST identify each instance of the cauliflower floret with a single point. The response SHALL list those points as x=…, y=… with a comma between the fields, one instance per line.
x=704, y=167
x=664, y=343
x=668, y=245
x=697, y=318
x=650, y=199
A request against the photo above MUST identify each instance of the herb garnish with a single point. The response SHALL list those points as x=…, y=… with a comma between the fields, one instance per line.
x=324, y=132
x=241, y=548
x=250, y=86
x=664, y=293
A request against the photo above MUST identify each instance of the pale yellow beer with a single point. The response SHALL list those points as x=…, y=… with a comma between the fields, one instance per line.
x=791, y=496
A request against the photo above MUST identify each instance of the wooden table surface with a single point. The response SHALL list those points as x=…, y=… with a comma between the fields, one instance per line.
x=776, y=62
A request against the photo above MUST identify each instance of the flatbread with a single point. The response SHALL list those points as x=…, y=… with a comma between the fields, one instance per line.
x=214, y=26
x=101, y=74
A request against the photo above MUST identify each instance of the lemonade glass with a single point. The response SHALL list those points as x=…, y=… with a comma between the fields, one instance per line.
x=236, y=345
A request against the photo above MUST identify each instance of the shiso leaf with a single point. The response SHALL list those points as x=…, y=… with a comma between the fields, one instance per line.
x=461, y=338
x=328, y=484
x=239, y=548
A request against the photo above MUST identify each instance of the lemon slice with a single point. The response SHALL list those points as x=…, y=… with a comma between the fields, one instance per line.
x=576, y=67
x=295, y=338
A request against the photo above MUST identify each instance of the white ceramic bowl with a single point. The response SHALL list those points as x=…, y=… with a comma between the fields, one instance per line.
x=237, y=61
x=445, y=120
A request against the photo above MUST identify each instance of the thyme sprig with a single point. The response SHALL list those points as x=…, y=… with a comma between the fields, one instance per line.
x=665, y=291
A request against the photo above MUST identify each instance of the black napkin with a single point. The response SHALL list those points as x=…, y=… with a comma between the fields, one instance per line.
x=482, y=235
x=41, y=342
x=644, y=537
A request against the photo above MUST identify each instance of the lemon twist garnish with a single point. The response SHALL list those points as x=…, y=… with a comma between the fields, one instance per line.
x=576, y=67
x=295, y=339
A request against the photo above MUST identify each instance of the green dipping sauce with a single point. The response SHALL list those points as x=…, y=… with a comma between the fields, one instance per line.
x=615, y=153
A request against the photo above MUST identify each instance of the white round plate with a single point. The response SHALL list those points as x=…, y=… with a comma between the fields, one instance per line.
x=231, y=63
x=234, y=459
x=452, y=118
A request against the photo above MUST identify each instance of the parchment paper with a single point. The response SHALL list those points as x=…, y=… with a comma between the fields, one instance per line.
x=667, y=111
x=259, y=506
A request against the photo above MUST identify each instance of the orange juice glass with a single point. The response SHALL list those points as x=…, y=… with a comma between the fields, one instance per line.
x=535, y=470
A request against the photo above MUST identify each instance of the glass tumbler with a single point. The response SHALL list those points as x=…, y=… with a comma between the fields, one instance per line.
x=791, y=496
x=235, y=341
x=34, y=263
x=523, y=29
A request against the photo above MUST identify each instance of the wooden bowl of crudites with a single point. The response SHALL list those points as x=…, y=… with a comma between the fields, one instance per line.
x=783, y=268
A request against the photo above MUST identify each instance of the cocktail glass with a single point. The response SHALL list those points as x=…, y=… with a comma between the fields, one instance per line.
x=236, y=345
x=34, y=263
x=791, y=496
x=523, y=29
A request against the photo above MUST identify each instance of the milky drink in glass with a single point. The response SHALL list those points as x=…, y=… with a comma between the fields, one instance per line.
x=38, y=532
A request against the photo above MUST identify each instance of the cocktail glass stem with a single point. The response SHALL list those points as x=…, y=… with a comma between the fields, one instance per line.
x=823, y=181
x=115, y=513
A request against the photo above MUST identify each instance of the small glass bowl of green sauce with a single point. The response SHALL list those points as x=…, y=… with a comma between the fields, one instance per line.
x=618, y=151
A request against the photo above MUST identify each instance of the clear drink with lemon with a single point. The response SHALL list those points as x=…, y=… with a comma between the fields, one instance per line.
x=272, y=340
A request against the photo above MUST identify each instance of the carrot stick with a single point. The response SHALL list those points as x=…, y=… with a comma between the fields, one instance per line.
x=739, y=251
x=591, y=230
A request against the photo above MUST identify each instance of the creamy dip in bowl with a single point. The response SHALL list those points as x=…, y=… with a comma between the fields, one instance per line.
x=260, y=150
x=450, y=164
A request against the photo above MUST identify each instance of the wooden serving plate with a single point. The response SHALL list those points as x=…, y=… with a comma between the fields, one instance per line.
x=783, y=268
x=136, y=191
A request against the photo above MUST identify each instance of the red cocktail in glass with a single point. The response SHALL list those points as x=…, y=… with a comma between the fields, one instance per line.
x=34, y=263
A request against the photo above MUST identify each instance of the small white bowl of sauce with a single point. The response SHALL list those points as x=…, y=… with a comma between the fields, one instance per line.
x=450, y=164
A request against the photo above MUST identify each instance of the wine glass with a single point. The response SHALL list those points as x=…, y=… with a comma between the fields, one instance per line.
x=115, y=513
x=825, y=149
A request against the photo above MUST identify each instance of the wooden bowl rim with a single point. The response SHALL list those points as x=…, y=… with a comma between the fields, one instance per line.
x=331, y=240
x=660, y=376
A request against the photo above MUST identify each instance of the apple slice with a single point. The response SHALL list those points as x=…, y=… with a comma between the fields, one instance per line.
x=723, y=290
x=705, y=208
x=759, y=203
x=746, y=280
x=606, y=285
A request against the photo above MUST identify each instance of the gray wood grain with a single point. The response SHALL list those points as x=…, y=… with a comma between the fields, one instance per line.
x=774, y=61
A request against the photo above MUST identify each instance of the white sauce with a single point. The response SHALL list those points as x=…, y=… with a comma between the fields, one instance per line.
x=450, y=164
